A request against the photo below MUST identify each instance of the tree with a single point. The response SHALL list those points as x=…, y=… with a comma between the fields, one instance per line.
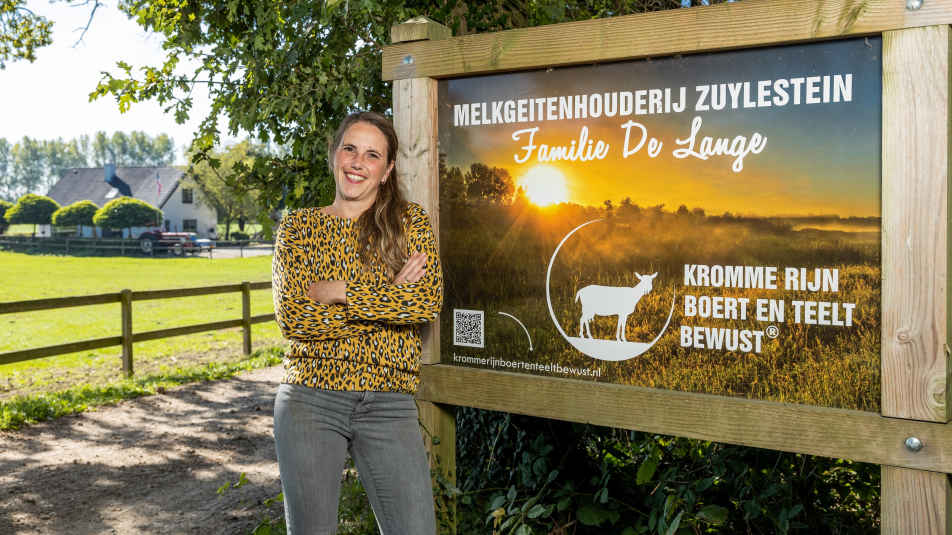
x=125, y=213
x=79, y=214
x=231, y=204
x=21, y=32
x=485, y=185
x=32, y=209
x=4, y=207
x=34, y=166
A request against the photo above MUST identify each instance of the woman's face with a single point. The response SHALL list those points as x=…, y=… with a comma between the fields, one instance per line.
x=361, y=165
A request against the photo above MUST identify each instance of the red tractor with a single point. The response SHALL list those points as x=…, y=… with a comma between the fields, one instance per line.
x=157, y=240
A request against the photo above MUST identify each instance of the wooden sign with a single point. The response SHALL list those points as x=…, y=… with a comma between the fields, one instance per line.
x=905, y=428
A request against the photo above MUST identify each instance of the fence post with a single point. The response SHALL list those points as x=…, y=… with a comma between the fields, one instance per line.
x=916, y=327
x=67, y=246
x=246, y=315
x=125, y=298
x=122, y=247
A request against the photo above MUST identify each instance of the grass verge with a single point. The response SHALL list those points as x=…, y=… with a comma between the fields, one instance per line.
x=21, y=410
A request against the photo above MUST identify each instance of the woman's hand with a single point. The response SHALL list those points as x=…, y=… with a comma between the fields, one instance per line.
x=328, y=292
x=413, y=270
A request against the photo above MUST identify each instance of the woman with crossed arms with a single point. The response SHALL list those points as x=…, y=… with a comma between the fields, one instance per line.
x=352, y=283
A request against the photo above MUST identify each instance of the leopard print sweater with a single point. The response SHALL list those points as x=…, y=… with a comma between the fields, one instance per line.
x=372, y=343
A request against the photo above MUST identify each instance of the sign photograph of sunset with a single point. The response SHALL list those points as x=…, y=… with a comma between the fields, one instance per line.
x=705, y=223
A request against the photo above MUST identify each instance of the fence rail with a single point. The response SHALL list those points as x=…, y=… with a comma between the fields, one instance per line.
x=125, y=298
x=123, y=245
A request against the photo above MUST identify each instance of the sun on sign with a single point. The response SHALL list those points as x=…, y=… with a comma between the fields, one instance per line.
x=545, y=185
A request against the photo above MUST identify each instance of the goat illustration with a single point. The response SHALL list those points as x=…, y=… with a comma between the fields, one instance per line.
x=611, y=301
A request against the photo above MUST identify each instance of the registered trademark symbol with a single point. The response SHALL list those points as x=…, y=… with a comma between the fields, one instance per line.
x=773, y=331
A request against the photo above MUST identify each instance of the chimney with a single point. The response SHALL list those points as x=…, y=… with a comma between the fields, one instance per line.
x=110, y=172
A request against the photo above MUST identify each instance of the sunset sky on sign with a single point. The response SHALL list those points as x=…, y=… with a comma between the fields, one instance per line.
x=819, y=158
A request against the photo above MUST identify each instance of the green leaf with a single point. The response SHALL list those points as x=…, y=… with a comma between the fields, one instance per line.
x=263, y=529
x=564, y=503
x=794, y=511
x=523, y=530
x=673, y=528
x=646, y=471
x=629, y=531
x=497, y=502
x=536, y=511
x=511, y=495
x=589, y=516
x=714, y=514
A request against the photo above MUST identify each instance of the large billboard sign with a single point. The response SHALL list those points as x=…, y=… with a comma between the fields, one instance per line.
x=705, y=223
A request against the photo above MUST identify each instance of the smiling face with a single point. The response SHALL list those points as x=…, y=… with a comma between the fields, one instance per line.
x=360, y=166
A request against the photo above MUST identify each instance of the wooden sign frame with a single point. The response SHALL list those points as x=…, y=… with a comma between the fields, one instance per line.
x=916, y=145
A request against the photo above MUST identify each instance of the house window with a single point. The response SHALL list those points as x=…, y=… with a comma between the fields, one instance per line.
x=189, y=225
x=186, y=195
x=167, y=225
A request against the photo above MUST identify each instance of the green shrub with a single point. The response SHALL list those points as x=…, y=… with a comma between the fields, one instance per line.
x=240, y=236
x=559, y=477
x=78, y=214
x=32, y=209
x=126, y=212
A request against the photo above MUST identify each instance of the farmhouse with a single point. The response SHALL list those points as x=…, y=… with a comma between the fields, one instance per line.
x=161, y=187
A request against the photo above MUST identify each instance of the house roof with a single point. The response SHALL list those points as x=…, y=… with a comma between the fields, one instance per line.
x=88, y=183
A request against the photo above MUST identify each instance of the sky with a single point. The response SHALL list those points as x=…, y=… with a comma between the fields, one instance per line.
x=49, y=98
x=818, y=158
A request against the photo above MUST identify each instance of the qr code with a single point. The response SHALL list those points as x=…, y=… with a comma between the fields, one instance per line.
x=468, y=328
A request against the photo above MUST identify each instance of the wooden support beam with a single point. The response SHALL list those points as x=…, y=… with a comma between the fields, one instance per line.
x=723, y=26
x=915, y=502
x=415, y=119
x=837, y=433
x=915, y=354
x=916, y=299
x=419, y=29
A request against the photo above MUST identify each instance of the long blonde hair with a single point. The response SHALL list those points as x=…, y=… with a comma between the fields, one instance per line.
x=382, y=235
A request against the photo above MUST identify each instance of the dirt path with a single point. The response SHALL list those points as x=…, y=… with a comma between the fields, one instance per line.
x=148, y=465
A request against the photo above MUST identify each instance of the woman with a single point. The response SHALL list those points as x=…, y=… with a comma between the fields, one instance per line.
x=352, y=283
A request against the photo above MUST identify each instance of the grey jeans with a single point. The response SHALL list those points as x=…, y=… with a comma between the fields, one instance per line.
x=312, y=430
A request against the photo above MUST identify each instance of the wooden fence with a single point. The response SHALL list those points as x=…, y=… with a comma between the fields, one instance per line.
x=125, y=298
x=122, y=246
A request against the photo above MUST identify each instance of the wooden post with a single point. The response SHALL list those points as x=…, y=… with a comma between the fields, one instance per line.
x=246, y=315
x=125, y=299
x=415, y=119
x=915, y=326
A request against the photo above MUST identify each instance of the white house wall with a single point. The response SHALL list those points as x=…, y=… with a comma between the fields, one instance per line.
x=176, y=213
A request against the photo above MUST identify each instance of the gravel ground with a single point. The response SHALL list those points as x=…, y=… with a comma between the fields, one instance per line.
x=148, y=465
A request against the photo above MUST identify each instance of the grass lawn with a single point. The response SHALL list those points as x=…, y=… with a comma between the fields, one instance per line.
x=30, y=276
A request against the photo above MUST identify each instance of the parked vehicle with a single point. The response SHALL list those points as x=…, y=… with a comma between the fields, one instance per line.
x=157, y=240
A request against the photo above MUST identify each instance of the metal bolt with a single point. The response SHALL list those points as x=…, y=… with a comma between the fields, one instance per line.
x=408, y=60
x=913, y=444
x=913, y=5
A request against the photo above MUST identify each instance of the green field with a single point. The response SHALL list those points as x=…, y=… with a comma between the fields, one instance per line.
x=495, y=259
x=29, y=276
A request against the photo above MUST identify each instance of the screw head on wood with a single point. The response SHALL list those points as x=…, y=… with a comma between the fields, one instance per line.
x=913, y=5
x=408, y=60
x=913, y=444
